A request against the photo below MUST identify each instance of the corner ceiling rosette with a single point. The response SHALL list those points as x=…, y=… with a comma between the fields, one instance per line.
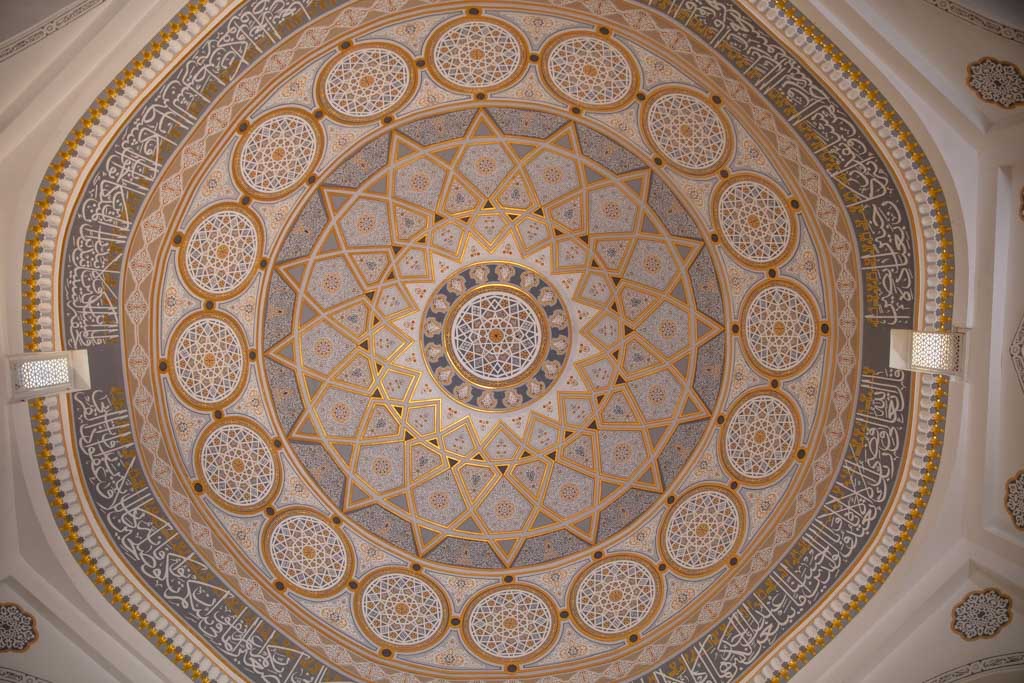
x=471, y=342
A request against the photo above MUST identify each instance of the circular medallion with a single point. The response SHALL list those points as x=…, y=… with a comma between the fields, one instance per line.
x=277, y=152
x=704, y=528
x=757, y=225
x=510, y=624
x=221, y=249
x=761, y=435
x=366, y=82
x=311, y=556
x=208, y=361
x=616, y=596
x=779, y=328
x=589, y=70
x=476, y=55
x=687, y=129
x=400, y=609
x=496, y=335
x=236, y=464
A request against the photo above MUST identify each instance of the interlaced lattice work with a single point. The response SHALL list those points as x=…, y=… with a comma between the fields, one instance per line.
x=754, y=222
x=496, y=336
x=221, y=252
x=277, y=153
x=308, y=553
x=589, y=70
x=687, y=131
x=702, y=530
x=616, y=596
x=208, y=360
x=238, y=465
x=779, y=327
x=367, y=82
x=45, y=372
x=510, y=623
x=477, y=54
x=760, y=437
x=401, y=609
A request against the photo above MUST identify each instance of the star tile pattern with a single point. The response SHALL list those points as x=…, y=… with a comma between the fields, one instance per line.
x=314, y=456
x=557, y=335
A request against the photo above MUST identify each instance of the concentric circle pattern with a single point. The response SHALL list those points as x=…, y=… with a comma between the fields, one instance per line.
x=779, y=328
x=308, y=553
x=703, y=529
x=367, y=82
x=617, y=596
x=221, y=252
x=477, y=54
x=760, y=437
x=277, y=153
x=208, y=359
x=237, y=465
x=483, y=342
x=687, y=130
x=755, y=222
x=590, y=70
x=401, y=610
x=510, y=624
x=496, y=335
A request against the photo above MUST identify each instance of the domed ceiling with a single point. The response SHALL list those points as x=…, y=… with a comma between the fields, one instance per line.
x=437, y=341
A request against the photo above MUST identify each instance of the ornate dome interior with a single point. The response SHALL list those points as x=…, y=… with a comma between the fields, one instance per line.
x=544, y=340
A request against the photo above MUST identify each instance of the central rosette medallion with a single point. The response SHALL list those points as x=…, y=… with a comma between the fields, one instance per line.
x=496, y=336
x=493, y=334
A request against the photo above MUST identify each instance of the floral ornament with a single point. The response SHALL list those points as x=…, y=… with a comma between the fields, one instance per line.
x=1015, y=499
x=996, y=81
x=982, y=614
x=1017, y=351
x=17, y=628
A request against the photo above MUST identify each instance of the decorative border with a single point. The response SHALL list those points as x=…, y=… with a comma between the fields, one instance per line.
x=1011, y=660
x=803, y=642
x=8, y=675
x=980, y=20
x=46, y=27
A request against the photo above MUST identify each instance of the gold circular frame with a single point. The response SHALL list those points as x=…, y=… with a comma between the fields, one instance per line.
x=730, y=138
x=797, y=434
x=811, y=306
x=522, y=375
x=258, y=228
x=172, y=347
x=659, y=597
x=741, y=517
x=471, y=604
x=320, y=92
x=201, y=471
x=794, y=226
x=236, y=153
x=357, y=609
x=438, y=32
x=558, y=38
x=268, y=557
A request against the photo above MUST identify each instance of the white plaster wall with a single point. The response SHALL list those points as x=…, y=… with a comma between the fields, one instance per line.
x=43, y=92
